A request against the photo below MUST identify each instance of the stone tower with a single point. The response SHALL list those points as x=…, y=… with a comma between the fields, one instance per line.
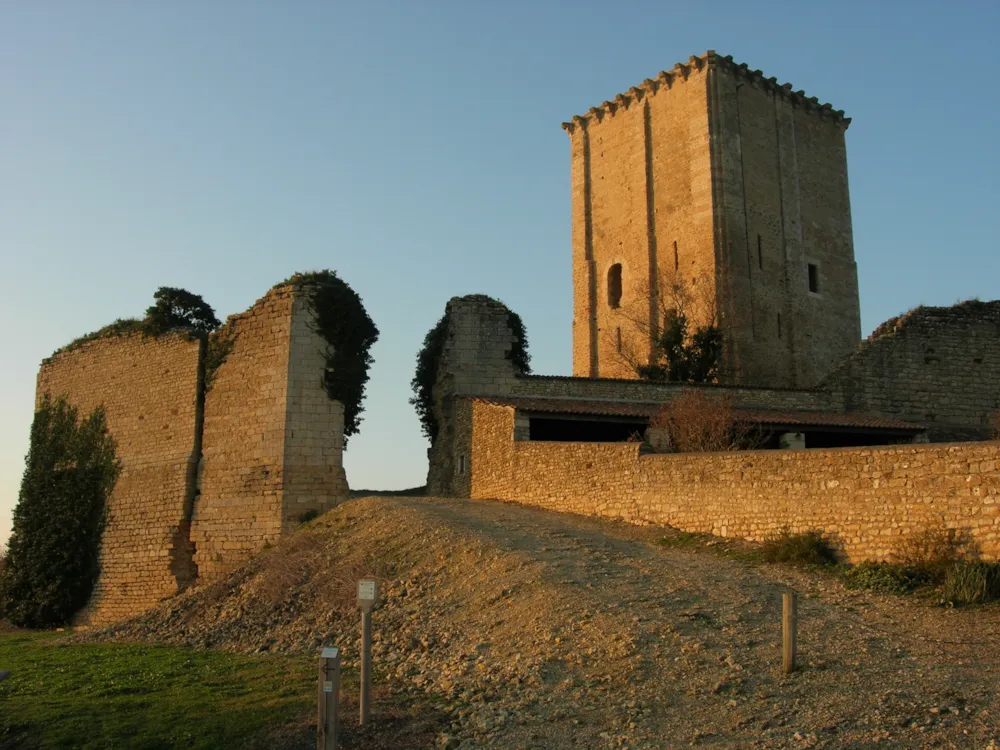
x=727, y=190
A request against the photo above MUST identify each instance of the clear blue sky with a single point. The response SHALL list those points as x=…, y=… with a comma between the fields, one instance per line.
x=415, y=148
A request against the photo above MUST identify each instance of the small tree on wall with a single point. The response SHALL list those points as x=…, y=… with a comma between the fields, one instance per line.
x=52, y=555
x=178, y=308
x=681, y=352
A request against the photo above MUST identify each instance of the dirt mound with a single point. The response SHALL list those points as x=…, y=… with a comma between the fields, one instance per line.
x=529, y=629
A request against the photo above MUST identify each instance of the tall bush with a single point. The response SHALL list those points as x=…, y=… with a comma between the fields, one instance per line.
x=693, y=422
x=52, y=556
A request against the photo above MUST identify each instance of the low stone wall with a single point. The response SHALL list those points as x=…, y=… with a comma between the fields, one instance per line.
x=149, y=388
x=865, y=499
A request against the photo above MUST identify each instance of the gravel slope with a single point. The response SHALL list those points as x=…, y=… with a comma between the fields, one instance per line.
x=530, y=629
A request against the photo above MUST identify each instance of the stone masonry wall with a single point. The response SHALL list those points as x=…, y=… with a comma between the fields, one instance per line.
x=864, y=498
x=314, y=428
x=273, y=441
x=783, y=202
x=149, y=388
x=239, y=506
x=939, y=366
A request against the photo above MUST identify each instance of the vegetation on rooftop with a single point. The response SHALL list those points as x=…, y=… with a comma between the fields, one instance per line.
x=173, y=309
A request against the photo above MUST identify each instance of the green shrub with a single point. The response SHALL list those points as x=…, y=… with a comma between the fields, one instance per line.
x=808, y=547
x=52, y=555
x=886, y=578
x=968, y=582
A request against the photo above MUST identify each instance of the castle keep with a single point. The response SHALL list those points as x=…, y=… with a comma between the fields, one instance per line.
x=731, y=187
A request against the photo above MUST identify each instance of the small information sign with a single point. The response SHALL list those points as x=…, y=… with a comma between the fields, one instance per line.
x=367, y=592
x=330, y=652
x=328, y=686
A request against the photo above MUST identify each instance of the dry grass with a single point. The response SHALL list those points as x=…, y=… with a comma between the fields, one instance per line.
x=695, y=422
x=316, y=561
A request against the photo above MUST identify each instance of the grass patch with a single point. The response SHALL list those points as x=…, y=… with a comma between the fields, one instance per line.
x=809, y=548
x=968, y=582
x=886, y=578
x=685, y=540
x=63, y=695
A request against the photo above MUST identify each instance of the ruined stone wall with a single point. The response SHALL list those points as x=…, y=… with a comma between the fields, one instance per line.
x=939, y=366
x=865, y=499
x=273, y=441
x=475, y=360
x=149, y=388
x=721, y=182
x=314, y=427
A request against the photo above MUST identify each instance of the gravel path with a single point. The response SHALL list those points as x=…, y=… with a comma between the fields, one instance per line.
x=530, y=629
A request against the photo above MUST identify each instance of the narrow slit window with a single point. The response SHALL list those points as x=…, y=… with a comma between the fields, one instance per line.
x=760, y=254
x=779, y=325
x=814, y=278
x=615, y=285
x=619, y=339
x=677, y=258
x=461, y=464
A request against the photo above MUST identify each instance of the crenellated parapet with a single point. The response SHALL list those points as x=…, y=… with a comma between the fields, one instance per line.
x=697, y=63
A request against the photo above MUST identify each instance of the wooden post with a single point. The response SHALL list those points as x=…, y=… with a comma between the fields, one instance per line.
x=366, y=664
x=789, y=626
x=328, y=724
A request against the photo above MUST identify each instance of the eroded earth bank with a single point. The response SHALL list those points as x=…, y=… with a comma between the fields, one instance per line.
x=513, y=627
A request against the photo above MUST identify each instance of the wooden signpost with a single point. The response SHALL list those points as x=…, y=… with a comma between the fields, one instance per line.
x=789, y=625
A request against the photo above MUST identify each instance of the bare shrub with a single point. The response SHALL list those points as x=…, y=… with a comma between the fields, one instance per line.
x=930, y=550
x=694, y=422
x=287, y=566
x=807, y=547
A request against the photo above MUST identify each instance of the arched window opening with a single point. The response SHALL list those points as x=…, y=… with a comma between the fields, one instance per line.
x=615, y=285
